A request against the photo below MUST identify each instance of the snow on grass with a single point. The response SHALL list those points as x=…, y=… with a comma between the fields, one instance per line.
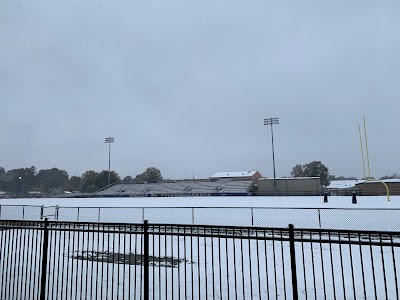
x=222, y=201
x=370, y=213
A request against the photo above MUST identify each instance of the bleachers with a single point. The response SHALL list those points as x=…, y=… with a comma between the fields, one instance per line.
x=179, y=188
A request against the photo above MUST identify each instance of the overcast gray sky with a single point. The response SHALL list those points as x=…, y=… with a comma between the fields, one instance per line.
x=185, y=85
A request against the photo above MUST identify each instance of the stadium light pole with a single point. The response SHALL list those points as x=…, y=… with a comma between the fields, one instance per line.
x=19, y=185
x=108, y=141
x=272, y=121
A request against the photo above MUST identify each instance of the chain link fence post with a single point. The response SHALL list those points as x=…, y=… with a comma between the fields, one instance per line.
x=56, y=212
x=319, y=218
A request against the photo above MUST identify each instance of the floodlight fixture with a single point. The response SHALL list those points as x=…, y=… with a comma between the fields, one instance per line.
x=271, y=121
x=108, y=141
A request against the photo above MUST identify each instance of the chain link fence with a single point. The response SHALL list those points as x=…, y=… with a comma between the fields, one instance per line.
x=327, y=218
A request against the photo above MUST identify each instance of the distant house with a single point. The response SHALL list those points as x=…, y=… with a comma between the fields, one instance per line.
x=242, y=175
x=342, y=187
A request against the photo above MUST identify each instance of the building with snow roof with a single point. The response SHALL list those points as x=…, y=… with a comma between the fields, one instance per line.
x=376, y=187
x=342, y=187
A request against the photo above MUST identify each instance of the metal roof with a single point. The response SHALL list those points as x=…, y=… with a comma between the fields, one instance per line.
x=234, y=174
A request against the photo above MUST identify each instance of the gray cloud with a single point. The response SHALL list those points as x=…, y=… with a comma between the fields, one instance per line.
x=185, y=86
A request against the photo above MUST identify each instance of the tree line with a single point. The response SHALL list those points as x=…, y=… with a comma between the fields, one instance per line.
x=55, y=181
x=318, y=169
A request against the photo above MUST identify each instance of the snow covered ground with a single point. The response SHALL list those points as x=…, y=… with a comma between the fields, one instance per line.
x=209, y=266
x=370, y=213
x=290, y=201
x=206, y=268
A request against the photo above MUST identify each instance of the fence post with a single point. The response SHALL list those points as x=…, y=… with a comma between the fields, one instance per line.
x=41, y=212
x=45, y=246
x=146, y=281
x=252, y=217
x=354, y=198
x=293, y=262
x=319, y=218
x=56, y=212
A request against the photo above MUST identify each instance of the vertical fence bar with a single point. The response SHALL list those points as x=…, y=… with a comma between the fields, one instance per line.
x=252, y=217
x=146, y=279
x=293, y=261
x=45, y=245
x=192, y=215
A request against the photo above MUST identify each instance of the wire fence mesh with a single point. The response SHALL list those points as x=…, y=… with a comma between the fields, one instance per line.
x=328, y=218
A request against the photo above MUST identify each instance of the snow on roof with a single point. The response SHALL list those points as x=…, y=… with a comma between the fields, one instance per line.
x=392, y=180
x=343, y=184
x=385, y=181
x=234, y=174
x=346, y=184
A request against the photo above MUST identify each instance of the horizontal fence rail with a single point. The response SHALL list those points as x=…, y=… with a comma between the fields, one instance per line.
x=86, y=260
x=385, y=219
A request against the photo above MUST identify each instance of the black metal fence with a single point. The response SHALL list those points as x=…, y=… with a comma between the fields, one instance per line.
x=77, y=260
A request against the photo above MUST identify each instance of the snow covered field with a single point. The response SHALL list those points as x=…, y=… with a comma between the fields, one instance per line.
x=370, y=213
x=82, y=263
x=290, y=202
x=104, y=264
